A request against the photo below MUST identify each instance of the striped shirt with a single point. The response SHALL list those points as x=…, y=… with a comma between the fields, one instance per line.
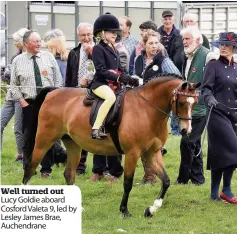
x=23, y=76
x=168, y=66
x=84, y=64
x=130, y=43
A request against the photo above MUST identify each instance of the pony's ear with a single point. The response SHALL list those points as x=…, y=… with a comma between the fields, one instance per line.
x=197, y=85
x=184, y=85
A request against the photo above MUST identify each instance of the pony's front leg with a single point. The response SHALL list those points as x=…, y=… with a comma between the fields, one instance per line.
x=129, y=170
x=158, y=167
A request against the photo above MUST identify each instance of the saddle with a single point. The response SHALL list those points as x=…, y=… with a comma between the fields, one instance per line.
x=113, y=119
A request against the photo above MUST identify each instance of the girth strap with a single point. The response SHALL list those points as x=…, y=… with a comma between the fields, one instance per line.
x=115, y=138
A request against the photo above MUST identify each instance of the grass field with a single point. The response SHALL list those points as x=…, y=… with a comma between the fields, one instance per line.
x=187, y=209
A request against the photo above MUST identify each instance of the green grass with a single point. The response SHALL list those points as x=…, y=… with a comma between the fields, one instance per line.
x=187, y=209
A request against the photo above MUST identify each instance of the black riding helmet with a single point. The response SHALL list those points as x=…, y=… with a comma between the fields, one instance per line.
x=106, y=22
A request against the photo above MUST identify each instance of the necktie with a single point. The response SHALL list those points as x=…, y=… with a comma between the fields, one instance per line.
x=83, y=68
x=38, y=80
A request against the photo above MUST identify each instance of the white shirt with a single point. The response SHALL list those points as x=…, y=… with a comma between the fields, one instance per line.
x=23, y=77
x=83, y=53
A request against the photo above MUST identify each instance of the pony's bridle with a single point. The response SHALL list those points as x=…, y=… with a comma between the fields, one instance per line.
x=176, y=92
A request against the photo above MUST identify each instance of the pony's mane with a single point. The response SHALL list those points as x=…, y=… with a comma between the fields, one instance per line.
x=163, y=77
x=168, y=76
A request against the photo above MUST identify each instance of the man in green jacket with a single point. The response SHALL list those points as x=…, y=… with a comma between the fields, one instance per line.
x=191, y=166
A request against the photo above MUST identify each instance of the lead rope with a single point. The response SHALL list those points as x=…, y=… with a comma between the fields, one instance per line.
x=208, y=118
x=205, y=131
x=230, y=108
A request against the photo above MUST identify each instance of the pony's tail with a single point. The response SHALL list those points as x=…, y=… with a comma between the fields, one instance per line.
x=41, y=96
x=34, y=125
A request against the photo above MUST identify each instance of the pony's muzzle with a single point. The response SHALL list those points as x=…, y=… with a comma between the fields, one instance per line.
x=183, y=132
x=185, y=127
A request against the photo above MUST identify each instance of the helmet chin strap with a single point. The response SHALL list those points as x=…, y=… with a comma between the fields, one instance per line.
x=104, y=39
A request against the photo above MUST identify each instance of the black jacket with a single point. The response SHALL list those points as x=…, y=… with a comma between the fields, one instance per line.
x=205, y=42
x=153, y=69
x=105, y=59
x=73, y=66
x=7, y=73
x=220, y=82
x=175, y=47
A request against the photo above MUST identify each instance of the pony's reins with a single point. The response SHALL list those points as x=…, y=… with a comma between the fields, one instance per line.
x=157, y=108
x=175, y=92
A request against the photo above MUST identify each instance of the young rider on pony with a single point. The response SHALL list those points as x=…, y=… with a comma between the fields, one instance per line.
x=107, y=65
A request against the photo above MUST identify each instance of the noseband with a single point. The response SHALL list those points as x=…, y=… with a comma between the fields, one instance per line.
x=176, y=92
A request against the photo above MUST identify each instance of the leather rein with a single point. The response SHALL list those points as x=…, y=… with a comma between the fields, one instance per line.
x=176, y=92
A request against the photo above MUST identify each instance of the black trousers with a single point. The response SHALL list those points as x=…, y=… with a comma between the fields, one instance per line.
x=112, y=163
x=29, y=127
x=57, y=154
x=191, y=166
x=82, y=164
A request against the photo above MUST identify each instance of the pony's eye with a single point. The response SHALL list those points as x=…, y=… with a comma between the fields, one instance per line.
x=180, y=104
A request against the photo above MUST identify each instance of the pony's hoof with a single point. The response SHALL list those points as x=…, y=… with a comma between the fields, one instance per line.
x=24, y=181
x=147, y=213
x=126, y=214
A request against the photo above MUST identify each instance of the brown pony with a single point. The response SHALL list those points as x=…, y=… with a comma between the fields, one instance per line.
x=143, y=129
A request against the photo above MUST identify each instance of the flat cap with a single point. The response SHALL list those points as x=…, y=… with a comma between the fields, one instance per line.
x=167, y=13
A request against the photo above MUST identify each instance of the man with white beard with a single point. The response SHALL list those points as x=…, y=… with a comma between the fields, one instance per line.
x=190, y=20
x=191, y=166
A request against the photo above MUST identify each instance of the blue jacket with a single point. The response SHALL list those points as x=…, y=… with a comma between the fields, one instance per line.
x=63, y=67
